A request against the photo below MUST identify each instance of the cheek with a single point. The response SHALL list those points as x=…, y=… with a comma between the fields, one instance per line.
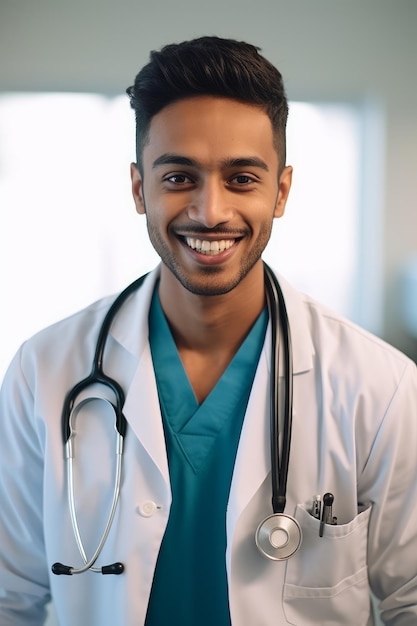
x=166, y=208
x=158, y=214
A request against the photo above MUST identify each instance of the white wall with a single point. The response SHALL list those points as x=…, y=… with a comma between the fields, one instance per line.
x=326, y=49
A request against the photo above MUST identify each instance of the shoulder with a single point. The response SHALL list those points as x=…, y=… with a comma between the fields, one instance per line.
x=72, y=339
x=63, y=331
x=339, y=344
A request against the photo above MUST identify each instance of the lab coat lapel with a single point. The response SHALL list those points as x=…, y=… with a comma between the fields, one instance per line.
x=253, y=457
x=141, y=406
x=143, y=413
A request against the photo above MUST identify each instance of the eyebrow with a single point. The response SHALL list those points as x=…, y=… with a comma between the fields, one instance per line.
x=177, y=159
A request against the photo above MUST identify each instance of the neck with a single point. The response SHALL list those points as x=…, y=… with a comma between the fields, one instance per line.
x=212, y=323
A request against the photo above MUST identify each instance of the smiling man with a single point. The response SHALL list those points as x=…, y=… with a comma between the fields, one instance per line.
x=213, y=173
x=229, y=439
x=210, y=187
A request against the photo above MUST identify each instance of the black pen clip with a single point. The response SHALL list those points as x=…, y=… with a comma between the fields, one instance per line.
x=326, y=514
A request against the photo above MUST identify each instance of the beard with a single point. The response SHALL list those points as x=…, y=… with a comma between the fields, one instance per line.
x=208, y=280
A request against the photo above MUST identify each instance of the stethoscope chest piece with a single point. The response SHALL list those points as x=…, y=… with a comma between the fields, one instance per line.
x=278, y=537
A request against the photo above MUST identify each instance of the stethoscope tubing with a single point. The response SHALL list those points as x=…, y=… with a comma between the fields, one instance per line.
x=97, y=374
x=279, y=460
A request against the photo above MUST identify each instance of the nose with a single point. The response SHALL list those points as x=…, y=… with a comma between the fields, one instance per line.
x=211, y=204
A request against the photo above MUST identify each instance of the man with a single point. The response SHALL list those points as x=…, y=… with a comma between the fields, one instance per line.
x=191, y=350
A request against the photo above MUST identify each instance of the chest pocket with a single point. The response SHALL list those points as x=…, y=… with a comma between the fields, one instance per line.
x=326, y=582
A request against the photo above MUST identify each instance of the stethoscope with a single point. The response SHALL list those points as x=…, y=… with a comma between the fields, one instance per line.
x=279, y=535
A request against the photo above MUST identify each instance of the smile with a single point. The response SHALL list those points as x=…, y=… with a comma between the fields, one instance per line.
x=210, y=248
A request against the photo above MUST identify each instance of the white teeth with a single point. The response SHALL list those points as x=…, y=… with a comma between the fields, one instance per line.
x=209, y=247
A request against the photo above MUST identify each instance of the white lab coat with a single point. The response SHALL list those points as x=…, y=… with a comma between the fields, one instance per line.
x=354, y=434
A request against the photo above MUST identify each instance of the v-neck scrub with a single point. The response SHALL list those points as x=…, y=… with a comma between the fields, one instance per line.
x=190, y=584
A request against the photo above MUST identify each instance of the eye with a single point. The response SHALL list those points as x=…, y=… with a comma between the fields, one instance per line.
x=241, y=180
x=178, y=179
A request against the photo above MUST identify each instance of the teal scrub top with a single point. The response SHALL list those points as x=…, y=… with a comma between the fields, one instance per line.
x=190, y=583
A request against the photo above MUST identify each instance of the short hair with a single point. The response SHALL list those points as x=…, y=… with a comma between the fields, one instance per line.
x=209, y=66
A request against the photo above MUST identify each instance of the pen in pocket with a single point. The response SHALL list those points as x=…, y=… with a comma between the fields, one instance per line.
x=327, y=514
x=316, y=510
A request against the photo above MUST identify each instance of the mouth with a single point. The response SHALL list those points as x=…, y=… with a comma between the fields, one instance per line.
x=209, y=248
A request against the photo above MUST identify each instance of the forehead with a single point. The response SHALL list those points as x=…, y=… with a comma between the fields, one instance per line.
x=208, y=128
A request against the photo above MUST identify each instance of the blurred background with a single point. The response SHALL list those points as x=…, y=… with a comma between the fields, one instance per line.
x=69, y=231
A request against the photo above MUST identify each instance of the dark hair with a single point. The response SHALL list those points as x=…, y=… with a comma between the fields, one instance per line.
x=208, y=66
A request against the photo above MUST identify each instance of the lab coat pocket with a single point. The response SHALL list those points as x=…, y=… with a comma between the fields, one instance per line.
x=326, y=580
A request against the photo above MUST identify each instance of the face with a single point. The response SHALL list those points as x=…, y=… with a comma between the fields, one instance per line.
x=210, y=191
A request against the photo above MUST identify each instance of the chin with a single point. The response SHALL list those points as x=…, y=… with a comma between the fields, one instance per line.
x=212, y=284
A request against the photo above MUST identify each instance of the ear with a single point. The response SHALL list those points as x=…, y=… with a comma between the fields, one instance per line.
x=137, y=188
x=283, y=191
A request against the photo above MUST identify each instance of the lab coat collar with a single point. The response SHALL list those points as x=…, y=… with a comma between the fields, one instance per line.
x=302, y=344
x=130, y=327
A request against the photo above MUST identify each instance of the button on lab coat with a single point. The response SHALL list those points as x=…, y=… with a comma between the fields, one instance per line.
x=354, y=434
